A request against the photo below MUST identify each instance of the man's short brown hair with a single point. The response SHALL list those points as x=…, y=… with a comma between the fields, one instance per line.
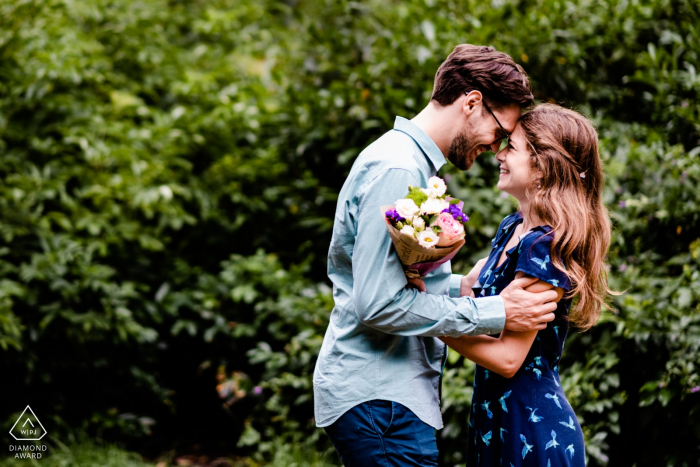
x=500, y=80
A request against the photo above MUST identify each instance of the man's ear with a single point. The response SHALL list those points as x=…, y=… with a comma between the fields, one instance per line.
x=472, y=103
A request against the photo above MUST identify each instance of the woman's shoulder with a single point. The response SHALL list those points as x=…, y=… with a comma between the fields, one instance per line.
x=536, y=257
x=538, y=241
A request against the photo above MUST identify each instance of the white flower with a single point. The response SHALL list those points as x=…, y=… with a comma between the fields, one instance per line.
x=427, y=192
x=434, y=206
x=436, y=186
x=428, y=238
x=165, y=192
x=406, y=208
x=418, y=223
x=408, y=230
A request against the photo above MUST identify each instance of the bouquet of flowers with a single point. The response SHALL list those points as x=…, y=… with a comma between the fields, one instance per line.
x=426, y=227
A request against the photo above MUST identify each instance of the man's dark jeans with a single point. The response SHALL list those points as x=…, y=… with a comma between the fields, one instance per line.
x=383, y=433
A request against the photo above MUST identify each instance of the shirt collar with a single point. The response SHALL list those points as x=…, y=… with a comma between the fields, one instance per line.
x=423, y=141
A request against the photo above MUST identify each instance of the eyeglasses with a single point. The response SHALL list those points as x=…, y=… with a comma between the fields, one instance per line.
x=499, y=123
x=504, y=140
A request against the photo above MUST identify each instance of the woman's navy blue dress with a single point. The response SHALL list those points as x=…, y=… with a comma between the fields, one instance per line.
x=525, y=420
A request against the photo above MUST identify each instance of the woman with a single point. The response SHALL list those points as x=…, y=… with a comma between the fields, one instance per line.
x=520, y=415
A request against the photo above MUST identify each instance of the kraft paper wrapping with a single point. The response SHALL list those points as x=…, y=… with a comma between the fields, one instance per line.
x=418, y=261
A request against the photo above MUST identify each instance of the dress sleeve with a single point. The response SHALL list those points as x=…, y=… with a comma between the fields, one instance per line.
x=535, y=260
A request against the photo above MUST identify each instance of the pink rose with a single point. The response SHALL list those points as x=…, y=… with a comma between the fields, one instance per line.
x=452, y=230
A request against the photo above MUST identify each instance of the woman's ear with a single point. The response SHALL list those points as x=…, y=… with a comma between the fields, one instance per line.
x=537, y=178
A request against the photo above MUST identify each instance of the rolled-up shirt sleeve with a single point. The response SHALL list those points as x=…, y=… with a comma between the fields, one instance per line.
x=381, y=299
x=455, y=289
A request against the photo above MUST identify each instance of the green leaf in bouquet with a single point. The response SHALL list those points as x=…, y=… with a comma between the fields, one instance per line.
x=432, y=219
x=454, y=201
x=417, y=195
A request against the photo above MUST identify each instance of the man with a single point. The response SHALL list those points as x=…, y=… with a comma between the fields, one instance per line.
x=377, y=378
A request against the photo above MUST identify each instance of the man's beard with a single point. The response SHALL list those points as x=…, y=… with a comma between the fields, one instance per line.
x=461, y=151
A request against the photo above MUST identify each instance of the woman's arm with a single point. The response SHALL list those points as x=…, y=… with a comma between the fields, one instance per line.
x=506, y=354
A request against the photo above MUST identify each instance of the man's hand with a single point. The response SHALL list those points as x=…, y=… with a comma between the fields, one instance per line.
x=468, y=281
x=527, y=311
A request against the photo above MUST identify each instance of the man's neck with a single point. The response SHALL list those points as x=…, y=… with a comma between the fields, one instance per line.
x=438, y=124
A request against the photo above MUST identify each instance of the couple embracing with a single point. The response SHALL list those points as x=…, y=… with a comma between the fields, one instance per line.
x=378, y=375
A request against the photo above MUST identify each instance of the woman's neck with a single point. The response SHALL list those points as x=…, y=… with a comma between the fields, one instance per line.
x=530, y=219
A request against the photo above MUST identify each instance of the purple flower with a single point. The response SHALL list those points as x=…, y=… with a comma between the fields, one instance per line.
x=394, y=216
x=622, y=204
x=456, y=213
x=257, y=390
x=695, y=389
x=623, y=267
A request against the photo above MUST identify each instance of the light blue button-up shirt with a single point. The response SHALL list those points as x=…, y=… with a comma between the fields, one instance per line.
x=381, y=341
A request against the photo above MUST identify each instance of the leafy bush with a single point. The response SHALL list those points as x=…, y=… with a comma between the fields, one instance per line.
x=168, y=177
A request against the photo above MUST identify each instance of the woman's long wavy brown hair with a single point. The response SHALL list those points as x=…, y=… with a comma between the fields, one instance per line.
x=567, y=194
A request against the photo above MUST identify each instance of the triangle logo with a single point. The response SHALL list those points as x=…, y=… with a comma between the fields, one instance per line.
x=27, y=427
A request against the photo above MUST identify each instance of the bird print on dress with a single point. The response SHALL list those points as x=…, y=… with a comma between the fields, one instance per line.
x=486, y=438
x=502, y=400
x=485, y=406
x=527, y=448
x=536, y=371
x=554, y=397
x=534, y=418
x=570, y=450
x=554, y=282
x=503, y=430
x=553, y=443
x=570, y=424
x=538, y=361
x=541, y=263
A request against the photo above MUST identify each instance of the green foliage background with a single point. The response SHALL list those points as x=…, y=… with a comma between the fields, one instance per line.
x=168, y=176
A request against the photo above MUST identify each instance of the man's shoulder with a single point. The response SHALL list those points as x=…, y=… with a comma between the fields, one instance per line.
x=391, y=157
x=393, y=150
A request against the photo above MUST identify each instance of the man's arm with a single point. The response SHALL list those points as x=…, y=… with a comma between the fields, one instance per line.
x=519, y=297
x=383, y=302
x=381, y=299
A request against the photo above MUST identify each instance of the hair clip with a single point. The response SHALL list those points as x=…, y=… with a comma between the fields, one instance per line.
x=582, y=175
